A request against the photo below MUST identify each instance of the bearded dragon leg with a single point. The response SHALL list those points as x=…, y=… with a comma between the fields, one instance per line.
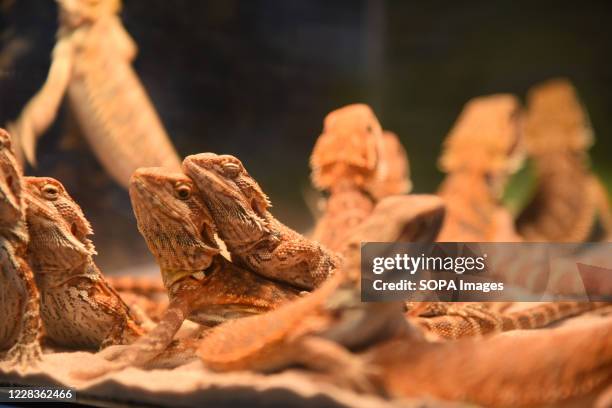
x=41, y=110
x=147, y=347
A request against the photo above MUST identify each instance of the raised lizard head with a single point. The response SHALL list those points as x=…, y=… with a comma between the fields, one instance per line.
x=556, y=120
x=74, y=13
x=348, y=148
x=173, y=220
x=486, y=138
x=231, y=194
x=57, y=226
x=11, y=204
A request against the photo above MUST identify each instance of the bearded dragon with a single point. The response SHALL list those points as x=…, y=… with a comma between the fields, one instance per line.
x=319, y=329
x=541, y=368
x=252, y=235
x=481, y=151
x=202, y=285
x=20, y=326
x=357, y=164
x=92, y=64
x=79, y=308
x=570, y=204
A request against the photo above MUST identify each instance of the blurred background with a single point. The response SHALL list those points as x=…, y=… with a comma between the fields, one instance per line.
x=256, y=78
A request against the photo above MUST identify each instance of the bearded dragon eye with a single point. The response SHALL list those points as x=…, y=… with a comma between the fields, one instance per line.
x=231, y=169
x=50, y=192
x=183, y=192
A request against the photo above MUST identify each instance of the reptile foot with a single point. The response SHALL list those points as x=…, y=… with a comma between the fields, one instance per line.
x=23, y=356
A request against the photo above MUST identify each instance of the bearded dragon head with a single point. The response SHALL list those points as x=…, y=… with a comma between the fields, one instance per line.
x=556, y=121
x=235, y=200
x=173, y=220
x=348, y=149
x=74, y=13
x=57, y=226
x=486, y=139
x=11, y=204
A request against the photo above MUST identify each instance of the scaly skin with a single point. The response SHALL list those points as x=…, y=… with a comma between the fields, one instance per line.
x=79, y=308
x=108, y=100
x=319, y=329
x=20, y=326
x=539, y=368
x=570, y=204
x=252, y=235
x=357, y=164
x=202, y=285
x=473, y=320
x=480, y=153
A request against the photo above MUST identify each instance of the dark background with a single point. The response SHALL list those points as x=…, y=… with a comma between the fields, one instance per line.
x=256, y=78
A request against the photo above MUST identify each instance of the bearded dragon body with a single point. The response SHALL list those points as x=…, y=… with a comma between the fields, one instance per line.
x=202, y=285
x=551, y=367
x=92, y=65
x=319, y=329
x=570, y=204
x=79, y=308
x=482, y=150
x=358, y=164
x=20, y=325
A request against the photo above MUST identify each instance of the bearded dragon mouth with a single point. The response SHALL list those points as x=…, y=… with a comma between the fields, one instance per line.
x=207, y=237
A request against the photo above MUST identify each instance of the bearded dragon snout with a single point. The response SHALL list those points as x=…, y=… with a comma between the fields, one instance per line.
x=195, y=162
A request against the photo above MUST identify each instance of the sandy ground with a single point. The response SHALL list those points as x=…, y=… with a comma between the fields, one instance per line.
x=191, y=384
